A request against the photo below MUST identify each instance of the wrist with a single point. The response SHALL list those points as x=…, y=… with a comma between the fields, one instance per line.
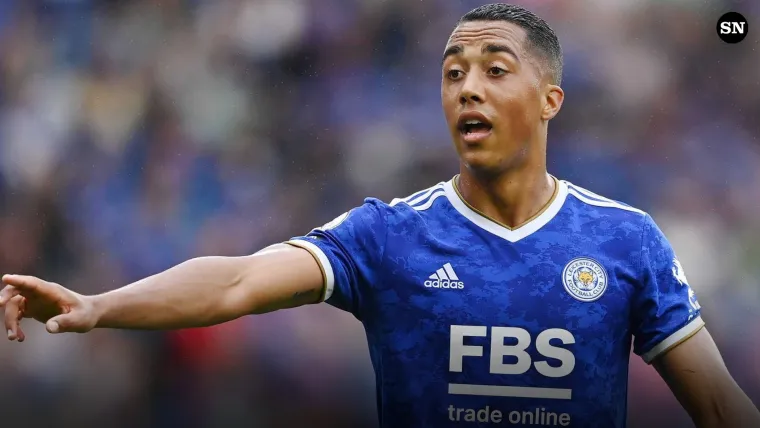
x=99, y=307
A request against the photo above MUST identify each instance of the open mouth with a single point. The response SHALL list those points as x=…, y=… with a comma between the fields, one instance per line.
x=474, y=127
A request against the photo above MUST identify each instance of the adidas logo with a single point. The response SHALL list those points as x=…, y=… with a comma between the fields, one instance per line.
x=444, y=278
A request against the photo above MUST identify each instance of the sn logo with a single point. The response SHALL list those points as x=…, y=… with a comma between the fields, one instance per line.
x=458, y=350
x=732, y=27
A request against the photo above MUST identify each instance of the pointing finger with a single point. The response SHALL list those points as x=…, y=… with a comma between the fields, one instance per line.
x=26, y=284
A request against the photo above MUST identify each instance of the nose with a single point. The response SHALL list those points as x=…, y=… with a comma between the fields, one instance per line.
x=472, y=91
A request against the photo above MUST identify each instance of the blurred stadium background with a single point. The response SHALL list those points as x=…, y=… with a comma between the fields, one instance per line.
x=137, y=134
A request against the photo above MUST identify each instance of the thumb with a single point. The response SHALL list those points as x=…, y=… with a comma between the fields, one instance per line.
x=53, y=325
x=61, y=323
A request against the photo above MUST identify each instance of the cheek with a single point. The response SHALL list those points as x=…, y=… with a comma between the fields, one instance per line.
x=522, y=105
x=449, y=103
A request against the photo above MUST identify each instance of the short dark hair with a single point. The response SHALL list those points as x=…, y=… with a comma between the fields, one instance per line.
x=542, y=39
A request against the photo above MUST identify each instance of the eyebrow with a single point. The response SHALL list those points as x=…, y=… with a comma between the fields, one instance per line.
x=490, y=48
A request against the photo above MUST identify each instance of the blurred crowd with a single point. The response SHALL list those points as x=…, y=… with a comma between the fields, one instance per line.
x=137, y=134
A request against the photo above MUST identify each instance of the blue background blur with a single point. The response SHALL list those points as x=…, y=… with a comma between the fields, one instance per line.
x=137, y=134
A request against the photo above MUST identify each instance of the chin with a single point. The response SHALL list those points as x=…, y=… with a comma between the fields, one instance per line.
x=485, y=162
x=482, y=162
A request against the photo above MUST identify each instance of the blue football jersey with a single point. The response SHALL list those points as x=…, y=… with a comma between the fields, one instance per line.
x=471, y=323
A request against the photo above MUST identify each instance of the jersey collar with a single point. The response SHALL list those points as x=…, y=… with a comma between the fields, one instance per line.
x=511, y=235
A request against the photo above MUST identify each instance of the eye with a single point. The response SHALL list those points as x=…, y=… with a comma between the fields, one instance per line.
x=496, y=71
x=454, y=74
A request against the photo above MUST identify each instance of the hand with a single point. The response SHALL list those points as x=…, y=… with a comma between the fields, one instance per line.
x=60, y=309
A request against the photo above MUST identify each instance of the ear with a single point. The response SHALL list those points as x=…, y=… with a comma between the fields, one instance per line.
x=553, y=98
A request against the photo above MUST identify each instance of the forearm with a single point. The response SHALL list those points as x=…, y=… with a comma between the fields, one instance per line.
x=191, y=294
x=212, y=290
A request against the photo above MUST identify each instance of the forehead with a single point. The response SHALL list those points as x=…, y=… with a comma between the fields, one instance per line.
x=476, y=33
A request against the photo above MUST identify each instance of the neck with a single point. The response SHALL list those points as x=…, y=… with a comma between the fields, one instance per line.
x=511, y=198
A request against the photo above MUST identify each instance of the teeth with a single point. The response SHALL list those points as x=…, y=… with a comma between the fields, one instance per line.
x=472, y=122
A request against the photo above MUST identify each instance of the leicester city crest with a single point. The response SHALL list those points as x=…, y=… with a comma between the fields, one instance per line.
x=585, y=279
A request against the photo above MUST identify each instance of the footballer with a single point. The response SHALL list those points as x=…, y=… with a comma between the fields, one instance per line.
x=503, y=296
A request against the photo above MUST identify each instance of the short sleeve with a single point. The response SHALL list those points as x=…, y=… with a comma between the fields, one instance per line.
x=349, y=250
x=665, y=309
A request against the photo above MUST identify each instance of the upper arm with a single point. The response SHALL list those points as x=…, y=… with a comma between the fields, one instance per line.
x=670, y=334
x=331, y=263
x=349, y=250
x=692, y=369
x=695, y=372
x=277, y=277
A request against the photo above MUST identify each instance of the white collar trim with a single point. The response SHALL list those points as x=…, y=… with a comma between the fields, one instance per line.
x=511, y=235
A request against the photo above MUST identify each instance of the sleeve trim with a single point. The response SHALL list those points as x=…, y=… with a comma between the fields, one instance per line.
x=328, y=276
x=674, y=339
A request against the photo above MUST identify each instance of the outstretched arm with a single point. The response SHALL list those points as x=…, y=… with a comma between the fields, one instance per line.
x=698, y=377
x=199, y=292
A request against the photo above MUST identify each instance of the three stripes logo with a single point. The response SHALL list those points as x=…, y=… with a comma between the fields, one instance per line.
x=444, y=277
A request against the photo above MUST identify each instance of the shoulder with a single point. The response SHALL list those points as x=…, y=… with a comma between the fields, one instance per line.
x=607, y=218
x=421, y=200
x=378, y=213
x=409, y=206
x=595, y=204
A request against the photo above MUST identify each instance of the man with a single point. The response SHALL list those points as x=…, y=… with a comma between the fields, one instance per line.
x=503, y=296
